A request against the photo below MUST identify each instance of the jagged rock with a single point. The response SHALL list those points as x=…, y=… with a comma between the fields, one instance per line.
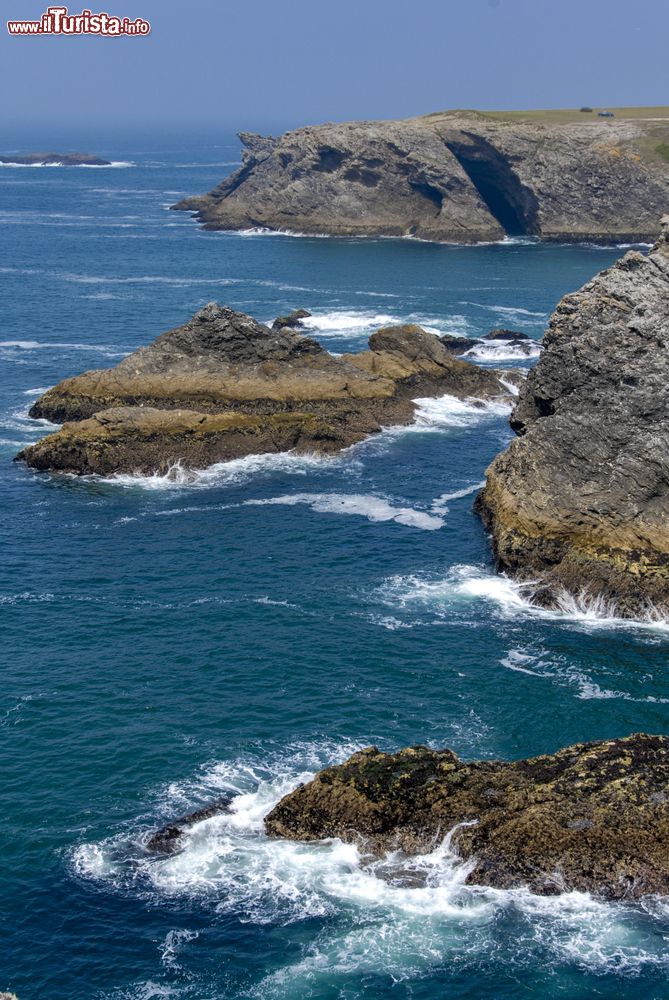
x=292, y=320
x=219, y=360
x=592, y=817
x=168, y=839
x=223, y=386
x=579, y=502
x=56, y=159
x=460, y=176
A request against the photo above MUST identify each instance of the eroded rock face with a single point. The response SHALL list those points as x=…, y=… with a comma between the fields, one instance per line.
x=579, y=502
x=453, y=176
x=591, y=817
x=223, y=386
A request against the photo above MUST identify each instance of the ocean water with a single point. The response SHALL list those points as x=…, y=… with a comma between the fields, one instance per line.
x=168, y=638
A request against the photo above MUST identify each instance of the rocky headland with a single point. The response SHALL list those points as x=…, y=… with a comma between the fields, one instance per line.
x=592, y=817
x=457, y=176
x=54, y=160
x=579, y=503
x=223, y=386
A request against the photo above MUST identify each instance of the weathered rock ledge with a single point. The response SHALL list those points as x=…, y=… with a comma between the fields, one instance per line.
x=592, y=817
x=223, y=386
x=457, y=176
x=579, y=502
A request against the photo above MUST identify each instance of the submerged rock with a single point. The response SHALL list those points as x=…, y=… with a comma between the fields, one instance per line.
x=592, y=817
x=579, y=502
x=223, y=386
x=168, y=839
x=461, y=176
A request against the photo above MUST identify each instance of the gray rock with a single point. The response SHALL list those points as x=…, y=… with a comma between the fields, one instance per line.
x=453, y=176
x=56, y=159
x=580, y=500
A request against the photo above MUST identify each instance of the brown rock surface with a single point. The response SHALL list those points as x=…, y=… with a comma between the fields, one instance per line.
x=591, y=817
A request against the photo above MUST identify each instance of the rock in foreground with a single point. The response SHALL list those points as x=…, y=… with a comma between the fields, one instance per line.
x=592, y=817
x=223, y=386
x=579, y=502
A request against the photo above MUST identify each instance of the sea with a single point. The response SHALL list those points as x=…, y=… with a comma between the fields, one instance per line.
x=167, y=639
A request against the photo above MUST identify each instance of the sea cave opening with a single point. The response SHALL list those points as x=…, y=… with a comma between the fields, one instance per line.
x=512, y=203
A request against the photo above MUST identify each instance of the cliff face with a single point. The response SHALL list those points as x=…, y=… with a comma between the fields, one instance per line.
x=580, y=500
x=223, y=386
x=592, y=817
x=456, y=176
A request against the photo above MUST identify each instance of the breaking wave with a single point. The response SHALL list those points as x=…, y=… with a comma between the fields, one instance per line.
x=510, y=599
x=234, y=472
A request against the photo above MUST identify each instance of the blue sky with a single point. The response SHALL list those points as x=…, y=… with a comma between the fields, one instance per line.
x=274, y=64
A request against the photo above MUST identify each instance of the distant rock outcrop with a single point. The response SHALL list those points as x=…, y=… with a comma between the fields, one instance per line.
x=459, y=176
x=593, y=817
x=579, y=502
x=223, y=386
x=55, y=160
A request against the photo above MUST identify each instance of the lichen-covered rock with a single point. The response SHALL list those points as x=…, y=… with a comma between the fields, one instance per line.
x=143, y=439
x=460, y=176
x=591, y=817
x=223, y=386
x=579, y=502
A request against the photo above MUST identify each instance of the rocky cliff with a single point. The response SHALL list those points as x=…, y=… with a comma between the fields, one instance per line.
x=223, y=386
x=591, y=817
x=453, y=176
x=579, y=502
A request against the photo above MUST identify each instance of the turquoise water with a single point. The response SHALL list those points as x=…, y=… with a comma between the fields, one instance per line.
x=166, y=640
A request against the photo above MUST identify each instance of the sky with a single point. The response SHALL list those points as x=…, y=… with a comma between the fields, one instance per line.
x=268, y=65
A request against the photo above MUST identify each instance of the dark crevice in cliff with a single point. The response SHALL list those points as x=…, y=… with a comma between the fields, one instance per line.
x=513, y=204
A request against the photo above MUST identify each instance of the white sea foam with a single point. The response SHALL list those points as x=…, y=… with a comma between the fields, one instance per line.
x=450, y=411
x=39, y=345
x=503, y=350
x=371, y=507
x=440, y=503
x=510, y=599
x=341, y=323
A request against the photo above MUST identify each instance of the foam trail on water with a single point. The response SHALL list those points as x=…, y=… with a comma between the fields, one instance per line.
x=440, y=503
x=371, y=507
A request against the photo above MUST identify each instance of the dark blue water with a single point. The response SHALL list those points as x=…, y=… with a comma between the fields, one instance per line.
x=165, y=640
